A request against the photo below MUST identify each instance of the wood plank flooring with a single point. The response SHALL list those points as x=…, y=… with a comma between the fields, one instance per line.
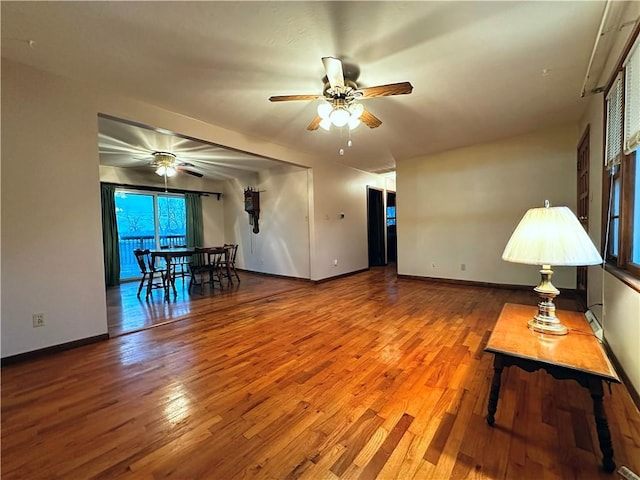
x=127, y=313
x=364, y=377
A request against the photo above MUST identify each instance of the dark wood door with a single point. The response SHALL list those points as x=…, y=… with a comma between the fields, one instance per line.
x=583, y=210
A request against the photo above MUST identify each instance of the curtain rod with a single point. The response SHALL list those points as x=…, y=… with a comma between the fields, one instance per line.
x=160, y=189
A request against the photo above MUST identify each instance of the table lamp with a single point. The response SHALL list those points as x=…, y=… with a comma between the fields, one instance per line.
x=550, y=236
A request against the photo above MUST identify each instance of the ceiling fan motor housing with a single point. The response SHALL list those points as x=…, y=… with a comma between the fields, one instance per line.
x=164, y=157
x=349, y=89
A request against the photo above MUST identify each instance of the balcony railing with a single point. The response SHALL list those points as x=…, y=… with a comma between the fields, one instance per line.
x=128, y=243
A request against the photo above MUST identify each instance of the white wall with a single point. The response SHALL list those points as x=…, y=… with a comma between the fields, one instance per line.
x=461, y=206
x=596, y=146
x=342, y=239
x=620, y=316
x=51, y=227
x=213, y=220
x=301, y=232
x=621, y=325
x=282, y=245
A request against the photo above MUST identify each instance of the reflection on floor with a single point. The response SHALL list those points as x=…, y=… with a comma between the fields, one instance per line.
x=127, y=313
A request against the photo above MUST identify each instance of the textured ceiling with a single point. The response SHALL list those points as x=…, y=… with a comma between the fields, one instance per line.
x=480, y=70
x=126, y=145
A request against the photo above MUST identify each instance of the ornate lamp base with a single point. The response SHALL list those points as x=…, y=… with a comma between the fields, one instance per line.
x=545, y=321
x=551, y=328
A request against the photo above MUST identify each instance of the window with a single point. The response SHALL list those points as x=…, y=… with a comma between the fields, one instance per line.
x=391, y=216
x=147, y=220
x=621, y=190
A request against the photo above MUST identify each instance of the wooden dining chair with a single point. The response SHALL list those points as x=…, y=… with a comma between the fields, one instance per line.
x=200, y=270
x=228, y=263
x=216, y=258
x=155, y=277
x=205, y=268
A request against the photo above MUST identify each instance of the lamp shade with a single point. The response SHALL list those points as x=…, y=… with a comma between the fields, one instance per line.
x=551, y=236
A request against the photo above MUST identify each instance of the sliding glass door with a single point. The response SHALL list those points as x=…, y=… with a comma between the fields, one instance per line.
x=147, y=221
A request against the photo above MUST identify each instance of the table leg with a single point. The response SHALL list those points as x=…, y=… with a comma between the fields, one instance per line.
x=167, y=285
x=171, y=271
x=494, y=393
x=602, y=427
x=149, y=284
x=167, y=279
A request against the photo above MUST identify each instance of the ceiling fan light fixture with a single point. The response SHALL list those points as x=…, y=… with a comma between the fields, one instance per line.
x=325, y=124
x=353, y=122
x=356, y=110
x=166, y=164
x=339, y=117
x=324, y=110
x=163, y=170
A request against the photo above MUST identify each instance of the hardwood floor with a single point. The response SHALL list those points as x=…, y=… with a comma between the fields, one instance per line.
x=127, y=313
x=363, y=377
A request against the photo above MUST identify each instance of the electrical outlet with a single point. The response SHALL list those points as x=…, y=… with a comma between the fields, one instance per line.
x=38, y=320
x=335, y=262
x=463, y=267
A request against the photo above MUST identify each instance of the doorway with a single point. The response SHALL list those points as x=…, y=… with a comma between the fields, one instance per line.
x=147, y=221
x=375, y=227
x=392, y=239
x=583, y=211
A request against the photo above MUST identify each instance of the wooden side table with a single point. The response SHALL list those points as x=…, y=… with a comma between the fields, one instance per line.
x=577, y=355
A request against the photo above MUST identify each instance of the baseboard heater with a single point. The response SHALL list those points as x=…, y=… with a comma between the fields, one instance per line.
x=594, y=324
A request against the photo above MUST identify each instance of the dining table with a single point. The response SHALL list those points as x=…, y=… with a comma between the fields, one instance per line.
x=170, y=254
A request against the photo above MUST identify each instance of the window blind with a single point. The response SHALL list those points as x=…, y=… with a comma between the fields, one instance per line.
x=632, y=99
x=614, y=101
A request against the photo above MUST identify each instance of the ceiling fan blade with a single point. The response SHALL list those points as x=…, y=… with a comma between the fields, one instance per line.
x=190, y=172
x=181, y=168
x=401, y=88
x=286, y=98
x=333, y=67
x=315, y=123
x=370, y=120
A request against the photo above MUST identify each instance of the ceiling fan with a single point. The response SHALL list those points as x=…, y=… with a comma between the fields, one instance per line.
x=342, y=95
x=168, y=165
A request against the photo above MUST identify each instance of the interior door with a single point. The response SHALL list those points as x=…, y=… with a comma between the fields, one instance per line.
x=375, y=228
x=583, y=210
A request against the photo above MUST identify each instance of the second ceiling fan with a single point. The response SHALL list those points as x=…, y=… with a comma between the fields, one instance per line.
x=341, y=93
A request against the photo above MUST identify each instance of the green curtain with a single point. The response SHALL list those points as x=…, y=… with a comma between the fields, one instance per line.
x=110, y=236
x=193, y=211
